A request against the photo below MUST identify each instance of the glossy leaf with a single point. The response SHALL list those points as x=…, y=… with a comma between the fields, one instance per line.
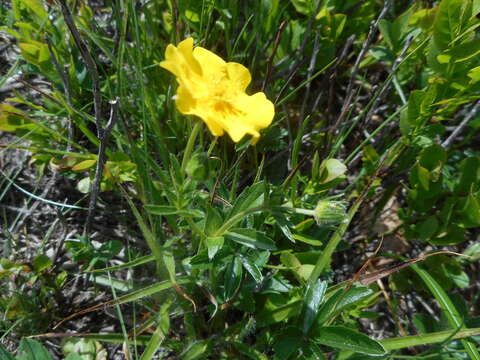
x=343, y=338
x=313, y=298
x=232, y=278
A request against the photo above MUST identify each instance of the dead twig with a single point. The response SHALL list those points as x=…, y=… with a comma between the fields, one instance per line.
x=95, y=188
x=274, y=51
x=366, y=45
x=473, y=111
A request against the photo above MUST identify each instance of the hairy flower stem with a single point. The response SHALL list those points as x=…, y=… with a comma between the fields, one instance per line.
x=191, y=142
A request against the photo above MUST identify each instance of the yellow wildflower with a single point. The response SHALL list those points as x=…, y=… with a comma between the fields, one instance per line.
x=214, y=90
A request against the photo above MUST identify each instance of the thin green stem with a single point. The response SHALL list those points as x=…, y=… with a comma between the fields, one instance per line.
x=190, y=144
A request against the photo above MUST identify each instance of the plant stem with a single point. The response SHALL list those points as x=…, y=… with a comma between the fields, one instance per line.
x=191, y=142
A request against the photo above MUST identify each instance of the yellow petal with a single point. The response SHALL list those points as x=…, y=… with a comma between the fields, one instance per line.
x=185, y=47
x=185, y=102
x=239, y=75
x=180, y=61
x=253, y=114
x=213, y=66
x=214, y=127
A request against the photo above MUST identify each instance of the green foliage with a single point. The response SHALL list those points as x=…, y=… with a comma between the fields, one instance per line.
x=243, y=236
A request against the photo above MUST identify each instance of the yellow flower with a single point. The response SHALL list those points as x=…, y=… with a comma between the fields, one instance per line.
x=214, y=90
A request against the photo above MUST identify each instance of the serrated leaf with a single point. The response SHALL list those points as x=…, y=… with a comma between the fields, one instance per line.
x=343, y=338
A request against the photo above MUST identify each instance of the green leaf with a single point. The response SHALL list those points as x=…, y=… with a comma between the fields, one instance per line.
x=414, y=109
x=427, y=228
x=471, y=209
x=453, y=235
x=41, y=262
x=36, y=7
x=248, y=351
x=172, y=210
x=84, y=165
x=251, y=197
x=146, y=291
x=160, y=333
x=232, y=278
x=252, y=268
x=139, y=261
x=88, y=348
x=275, y=312
x=419, y=176
x=433, y=157
x=73, y=356
x=198, y=350
x=251, y=238
x=474, y=74
x=213, y=222
x=385, y=28
x=35, y=52
x=313, y=298
x=32, y=350
x=447, y=23
x=469, y=176
x=453, y=316
x=214, y=243
x=340, y=300
x=4, y=354
x=343, y=338
x=331, y=169
x=461, y=52
x=287, y=343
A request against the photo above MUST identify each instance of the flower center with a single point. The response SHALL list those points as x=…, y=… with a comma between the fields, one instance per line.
x=223, y=101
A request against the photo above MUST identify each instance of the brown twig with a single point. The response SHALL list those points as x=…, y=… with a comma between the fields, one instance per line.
x=274, y=51
x=95, y=188
x=473, y=111
x=366, y=45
